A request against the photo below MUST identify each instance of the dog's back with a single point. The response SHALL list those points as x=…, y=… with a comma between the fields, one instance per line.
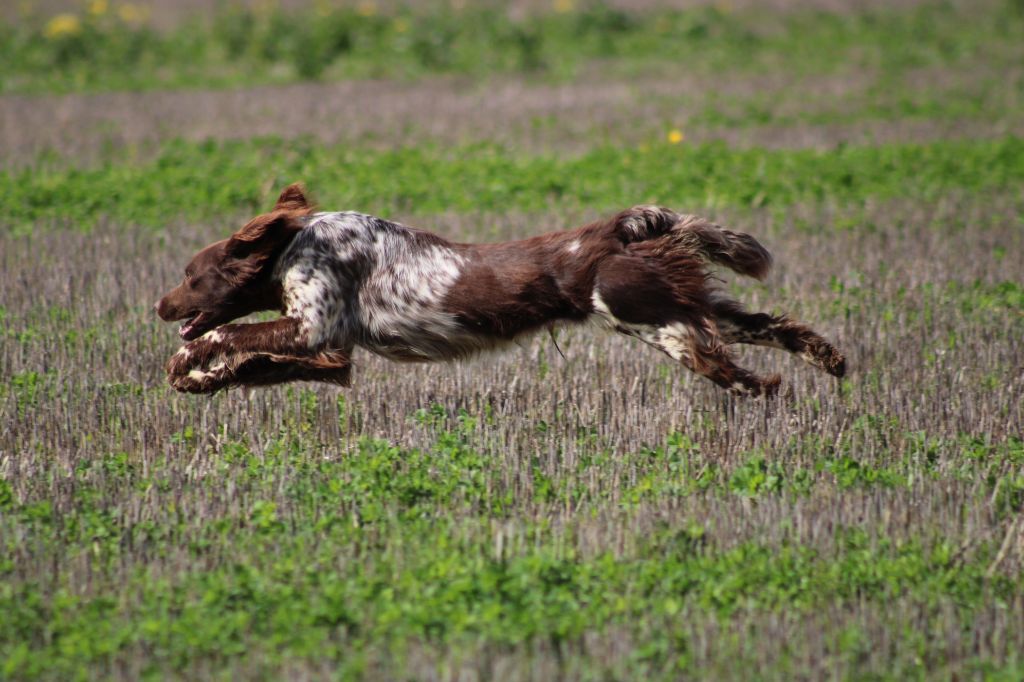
x=411, y=295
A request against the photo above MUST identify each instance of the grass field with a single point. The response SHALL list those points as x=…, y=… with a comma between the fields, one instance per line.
x=602, y=515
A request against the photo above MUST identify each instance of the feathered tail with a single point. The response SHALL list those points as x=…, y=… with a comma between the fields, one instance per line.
x=734, y=250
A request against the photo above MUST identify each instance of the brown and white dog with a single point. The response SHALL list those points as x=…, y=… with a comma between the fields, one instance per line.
x=343, y=280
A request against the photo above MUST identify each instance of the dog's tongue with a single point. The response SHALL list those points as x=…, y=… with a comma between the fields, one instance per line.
x=186, y=328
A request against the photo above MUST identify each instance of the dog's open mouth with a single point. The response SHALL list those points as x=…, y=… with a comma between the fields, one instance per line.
x=195, y=326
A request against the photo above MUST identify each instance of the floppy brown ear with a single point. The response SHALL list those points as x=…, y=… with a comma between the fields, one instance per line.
x=293, y=198
x=263, y=236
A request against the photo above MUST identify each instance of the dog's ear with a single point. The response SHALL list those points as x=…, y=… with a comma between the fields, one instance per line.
x=263, y=236
x=293, y=198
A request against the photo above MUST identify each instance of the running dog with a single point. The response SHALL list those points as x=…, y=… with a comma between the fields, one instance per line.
x=343, y=280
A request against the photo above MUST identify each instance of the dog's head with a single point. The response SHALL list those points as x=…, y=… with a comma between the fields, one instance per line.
x=232, y=278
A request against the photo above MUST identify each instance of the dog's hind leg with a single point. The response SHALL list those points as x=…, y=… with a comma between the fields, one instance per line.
x=777, y=331
x=632, y=297
x=700, y=349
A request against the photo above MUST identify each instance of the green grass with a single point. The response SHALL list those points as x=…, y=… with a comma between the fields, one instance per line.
x=984, y=98
x=205, y=180
x=363, y=555
x=452, y=591
x=242, y=47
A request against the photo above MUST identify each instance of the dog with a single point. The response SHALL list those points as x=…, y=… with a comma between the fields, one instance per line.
x=343, y=280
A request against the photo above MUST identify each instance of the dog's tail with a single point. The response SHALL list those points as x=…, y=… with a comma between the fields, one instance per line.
x=734, y=250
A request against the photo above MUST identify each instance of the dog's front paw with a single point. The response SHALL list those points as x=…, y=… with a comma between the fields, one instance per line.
x=198, y=367
x=180, y=363
x=197, y=354
x=203, y=381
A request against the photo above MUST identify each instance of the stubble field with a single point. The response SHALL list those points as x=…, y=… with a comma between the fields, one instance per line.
x=598, y=515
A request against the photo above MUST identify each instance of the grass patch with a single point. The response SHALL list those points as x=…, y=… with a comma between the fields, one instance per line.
x=201, y=180
x=885, y=99
x=387, y=546
x=449, y=590
x=602, y=512
x=110, y=50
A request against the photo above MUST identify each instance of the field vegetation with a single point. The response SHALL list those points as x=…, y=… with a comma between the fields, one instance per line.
x=110, y=47
x=593, y=512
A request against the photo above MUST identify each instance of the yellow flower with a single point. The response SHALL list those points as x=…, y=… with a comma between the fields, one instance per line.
x=675, y=136
x=132, y=14
x=62, y=25
x=564, y=6
x=367, y=8
x=98, y=7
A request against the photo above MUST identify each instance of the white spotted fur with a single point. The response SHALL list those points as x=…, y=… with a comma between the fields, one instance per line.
x=353, y=279
x=677, y=340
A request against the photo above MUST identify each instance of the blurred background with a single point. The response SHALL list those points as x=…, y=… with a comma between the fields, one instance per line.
x=561, y=75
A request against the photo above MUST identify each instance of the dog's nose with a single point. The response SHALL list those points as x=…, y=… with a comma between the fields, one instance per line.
x=156, y=308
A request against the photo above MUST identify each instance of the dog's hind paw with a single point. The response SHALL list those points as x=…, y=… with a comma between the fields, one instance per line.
x=836, y=364
x=749, y=385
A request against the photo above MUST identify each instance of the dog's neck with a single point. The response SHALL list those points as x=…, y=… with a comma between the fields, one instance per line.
x=268, y=290
x=269, y=295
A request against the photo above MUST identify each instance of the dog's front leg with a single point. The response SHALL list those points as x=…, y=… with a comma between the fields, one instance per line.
x=331, y=366
x=282, y=336
x=265, y=369
x=256, y=354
